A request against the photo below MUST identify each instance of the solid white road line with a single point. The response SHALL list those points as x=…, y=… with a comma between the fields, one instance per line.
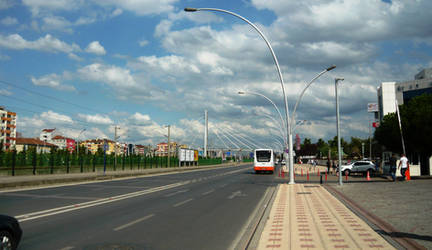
x=183, y=202
x=133, y=222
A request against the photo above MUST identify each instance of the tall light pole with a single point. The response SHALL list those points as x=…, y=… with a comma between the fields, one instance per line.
x=338, y=129
x=169, y=146
x=288, y=129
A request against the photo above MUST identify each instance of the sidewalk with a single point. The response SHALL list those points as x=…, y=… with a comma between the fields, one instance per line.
x=308, y=217
x=320, y=216
x=11, y=182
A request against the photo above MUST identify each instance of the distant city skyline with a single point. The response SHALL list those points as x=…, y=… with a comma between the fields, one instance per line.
x=142, y=65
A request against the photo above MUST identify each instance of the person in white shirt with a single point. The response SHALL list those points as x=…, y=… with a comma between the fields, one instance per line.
x=403, y=165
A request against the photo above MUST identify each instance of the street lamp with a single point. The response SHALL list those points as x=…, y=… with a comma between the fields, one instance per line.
x=288, y=129
x=298, y=123
x=282, y=124
x=338, y=129
x=306, y=87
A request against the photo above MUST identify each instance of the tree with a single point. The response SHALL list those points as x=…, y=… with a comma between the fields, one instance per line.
x=416, y=119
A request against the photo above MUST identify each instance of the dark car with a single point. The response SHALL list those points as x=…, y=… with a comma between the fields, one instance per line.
x=10, y=232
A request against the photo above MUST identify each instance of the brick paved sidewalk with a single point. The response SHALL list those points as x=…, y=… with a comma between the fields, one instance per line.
x=307, y=216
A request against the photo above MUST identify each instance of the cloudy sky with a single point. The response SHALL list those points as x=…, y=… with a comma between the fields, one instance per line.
x=144, y=64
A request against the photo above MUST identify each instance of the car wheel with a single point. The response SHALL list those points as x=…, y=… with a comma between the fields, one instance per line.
x=7, y=242
x=346, y=172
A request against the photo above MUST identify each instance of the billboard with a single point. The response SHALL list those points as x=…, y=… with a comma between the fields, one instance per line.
x=195, y=155
x=372, y=107
x=187, y=155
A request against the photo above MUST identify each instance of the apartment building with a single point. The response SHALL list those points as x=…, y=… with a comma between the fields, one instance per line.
x=7, y=128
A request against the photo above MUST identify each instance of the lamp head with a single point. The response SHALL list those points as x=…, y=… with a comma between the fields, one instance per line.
x=339, y=79
x=331, y=67
x=187, y=9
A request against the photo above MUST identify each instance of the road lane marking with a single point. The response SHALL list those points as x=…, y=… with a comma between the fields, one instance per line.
x=236, y=194
x=208, y=192
x=73, y=207
x=178, y=192
x=67, y=248
x=64, y=209
x=133, y=222
x=182, y=203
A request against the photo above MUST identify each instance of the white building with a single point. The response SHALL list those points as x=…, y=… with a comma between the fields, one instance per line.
x=46, y=135
x=389, y=92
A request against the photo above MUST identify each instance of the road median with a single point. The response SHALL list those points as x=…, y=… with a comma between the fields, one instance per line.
x=24, y=181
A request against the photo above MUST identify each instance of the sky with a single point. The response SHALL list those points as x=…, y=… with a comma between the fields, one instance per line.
x=84, y=67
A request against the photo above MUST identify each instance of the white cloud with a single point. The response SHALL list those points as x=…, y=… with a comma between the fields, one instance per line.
x=108, y=74
x=143, y=43
x=52, y=81
x=140, y=118
x=47, y=43
x=9, y=21
x=96, y=48
x=167, y=64
x=97, y=119
x=38, y=6
x=117, y=12
x=145, y=7
x=5, y=92
x=56, y=118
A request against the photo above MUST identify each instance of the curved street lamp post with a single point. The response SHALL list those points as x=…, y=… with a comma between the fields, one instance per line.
x=287, y=116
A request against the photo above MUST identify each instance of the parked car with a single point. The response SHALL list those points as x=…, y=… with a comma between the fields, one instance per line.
x=10, y=233
x=359, y=167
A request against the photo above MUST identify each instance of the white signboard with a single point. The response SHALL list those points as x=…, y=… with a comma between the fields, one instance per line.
x=182, y=154
x=372, y=107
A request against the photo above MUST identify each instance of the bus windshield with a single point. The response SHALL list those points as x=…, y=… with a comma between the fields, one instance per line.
x=263, y=155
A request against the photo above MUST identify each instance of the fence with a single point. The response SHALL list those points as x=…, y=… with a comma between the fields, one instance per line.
x=60, y=162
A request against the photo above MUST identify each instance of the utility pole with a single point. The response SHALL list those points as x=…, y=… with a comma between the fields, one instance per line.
x=169, y=146
x=115, y=145
x=205, y=132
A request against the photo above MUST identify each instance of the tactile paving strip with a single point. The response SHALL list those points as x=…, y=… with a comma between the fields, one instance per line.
x=309, y=217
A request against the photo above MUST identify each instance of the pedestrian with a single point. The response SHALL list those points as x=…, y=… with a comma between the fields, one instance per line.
x=328, y=166
x=403, y=165
x=393, y=167
x=334, y=166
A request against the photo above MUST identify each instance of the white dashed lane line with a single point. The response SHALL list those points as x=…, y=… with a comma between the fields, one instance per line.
x=133, y=222
x=182, y=203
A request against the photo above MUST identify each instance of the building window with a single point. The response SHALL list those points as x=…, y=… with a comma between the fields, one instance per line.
x=416, y=85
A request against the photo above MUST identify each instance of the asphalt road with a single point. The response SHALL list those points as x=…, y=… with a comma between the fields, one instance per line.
x=193, y=210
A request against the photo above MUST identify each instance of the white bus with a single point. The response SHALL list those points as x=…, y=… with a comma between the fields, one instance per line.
x=264, y=160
